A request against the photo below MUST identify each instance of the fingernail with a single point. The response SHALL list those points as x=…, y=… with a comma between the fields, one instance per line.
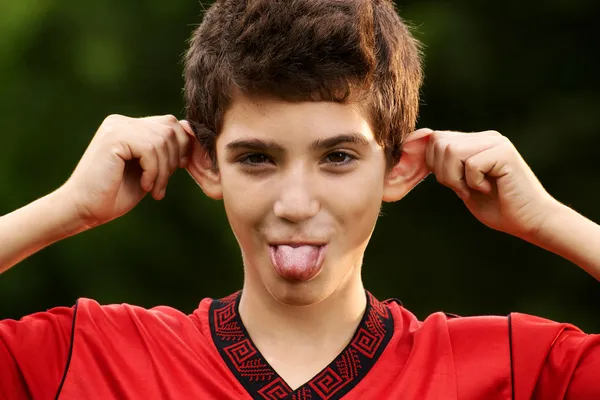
x=187, y=126
x=423, y=131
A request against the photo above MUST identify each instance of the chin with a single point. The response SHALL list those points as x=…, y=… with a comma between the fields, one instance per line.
x=303, y=293
x=262, y=276
x=298, y=294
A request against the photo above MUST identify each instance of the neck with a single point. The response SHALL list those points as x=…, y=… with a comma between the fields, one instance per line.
x=330, y=323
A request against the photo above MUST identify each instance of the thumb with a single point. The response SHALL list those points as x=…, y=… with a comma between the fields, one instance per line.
x=187, y=127
x=415, y=144
x=419, y=134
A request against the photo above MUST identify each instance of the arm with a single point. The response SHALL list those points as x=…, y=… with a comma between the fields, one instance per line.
x=126, y=159
x=33, y=227
x=571, y=236
x=549, y=360
x=498, y=187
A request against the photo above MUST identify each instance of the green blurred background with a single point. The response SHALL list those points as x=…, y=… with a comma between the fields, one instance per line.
x=524, y=68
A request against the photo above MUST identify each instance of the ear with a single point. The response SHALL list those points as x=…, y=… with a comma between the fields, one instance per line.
x=411, y=169
x=201, y=169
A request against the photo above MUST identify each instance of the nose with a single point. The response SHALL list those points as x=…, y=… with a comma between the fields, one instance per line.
x=296, y=201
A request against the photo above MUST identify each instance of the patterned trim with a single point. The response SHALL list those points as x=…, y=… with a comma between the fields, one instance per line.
x=337, y=379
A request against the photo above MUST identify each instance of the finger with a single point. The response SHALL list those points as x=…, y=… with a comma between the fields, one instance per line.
x=170, y=137
x=135, y=146
x=449, y=170
x=457, y=152
x=159, y=126
x=439, y=158
x=182, y=135
x=482, y=166
x=144, y=150
x=164, y=169
x=487, y=134
x=419, y=133
x=452, y=172
x=161, y=171
x=430, y=152
x=436, y=147
x=187, y=127
x=440, y=139
x=190, y=137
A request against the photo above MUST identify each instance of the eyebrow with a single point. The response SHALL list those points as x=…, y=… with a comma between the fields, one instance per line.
x=349, y=138
x=260, y=145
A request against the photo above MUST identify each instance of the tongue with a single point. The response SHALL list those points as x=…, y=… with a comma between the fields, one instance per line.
x=296, y=263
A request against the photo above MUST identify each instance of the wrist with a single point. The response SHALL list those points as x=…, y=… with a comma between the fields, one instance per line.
x=29, y=229
x=550, y=224
x=65, y=218
x=573, y=237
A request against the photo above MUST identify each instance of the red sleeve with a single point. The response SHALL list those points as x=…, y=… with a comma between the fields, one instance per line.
x=553, y=360
x=572, y=367
x=34, y=353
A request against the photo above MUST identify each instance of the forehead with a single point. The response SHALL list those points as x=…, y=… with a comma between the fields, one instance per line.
x=288, y=121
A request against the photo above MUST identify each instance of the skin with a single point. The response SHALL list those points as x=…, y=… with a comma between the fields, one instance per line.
x=279, y=184
x=299, y=194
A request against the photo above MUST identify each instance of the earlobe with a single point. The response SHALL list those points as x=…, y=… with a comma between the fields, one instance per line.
x=201, y=169
x=411, y=169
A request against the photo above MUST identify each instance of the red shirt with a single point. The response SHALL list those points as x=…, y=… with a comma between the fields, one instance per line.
x=126, y=352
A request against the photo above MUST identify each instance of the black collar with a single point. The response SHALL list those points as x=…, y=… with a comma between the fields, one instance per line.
x=337, y=379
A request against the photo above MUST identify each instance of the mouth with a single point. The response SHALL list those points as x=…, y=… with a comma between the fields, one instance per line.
x=297, y=261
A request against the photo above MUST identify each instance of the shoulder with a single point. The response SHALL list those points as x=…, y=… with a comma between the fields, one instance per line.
x=532, y=355
x=58, y=319
x=109, y=337
x=536, y=355
x=34, y=351
x=466, y=355
x=461, y=328
x=553, y=359
x=534, y=338
x=525, y=336
x=124, y=319
x=123, y=344
x=465, y=338
x=518, y=325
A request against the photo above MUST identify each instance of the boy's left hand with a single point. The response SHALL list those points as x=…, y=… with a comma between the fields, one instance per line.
x=490, y=176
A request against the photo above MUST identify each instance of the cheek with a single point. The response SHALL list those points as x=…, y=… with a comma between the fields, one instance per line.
x=357, y=202
x=246, y=204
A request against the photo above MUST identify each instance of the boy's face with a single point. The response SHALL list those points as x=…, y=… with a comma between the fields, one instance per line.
x=302, y=185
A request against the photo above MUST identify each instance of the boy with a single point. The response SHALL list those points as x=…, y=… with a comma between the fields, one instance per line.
x=300, y=119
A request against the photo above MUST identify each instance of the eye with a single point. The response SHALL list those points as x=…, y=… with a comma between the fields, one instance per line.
x=339, y=158
x=254, y=159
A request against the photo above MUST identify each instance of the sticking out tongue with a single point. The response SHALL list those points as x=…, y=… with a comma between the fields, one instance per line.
x=299, y=263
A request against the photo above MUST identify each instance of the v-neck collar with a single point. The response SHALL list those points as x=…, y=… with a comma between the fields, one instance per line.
x=260, y=379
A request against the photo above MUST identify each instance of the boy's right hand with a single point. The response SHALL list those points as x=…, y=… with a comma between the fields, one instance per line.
x=127, y=158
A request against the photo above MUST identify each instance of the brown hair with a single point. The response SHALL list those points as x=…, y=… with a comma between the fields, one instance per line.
x=305, y=50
